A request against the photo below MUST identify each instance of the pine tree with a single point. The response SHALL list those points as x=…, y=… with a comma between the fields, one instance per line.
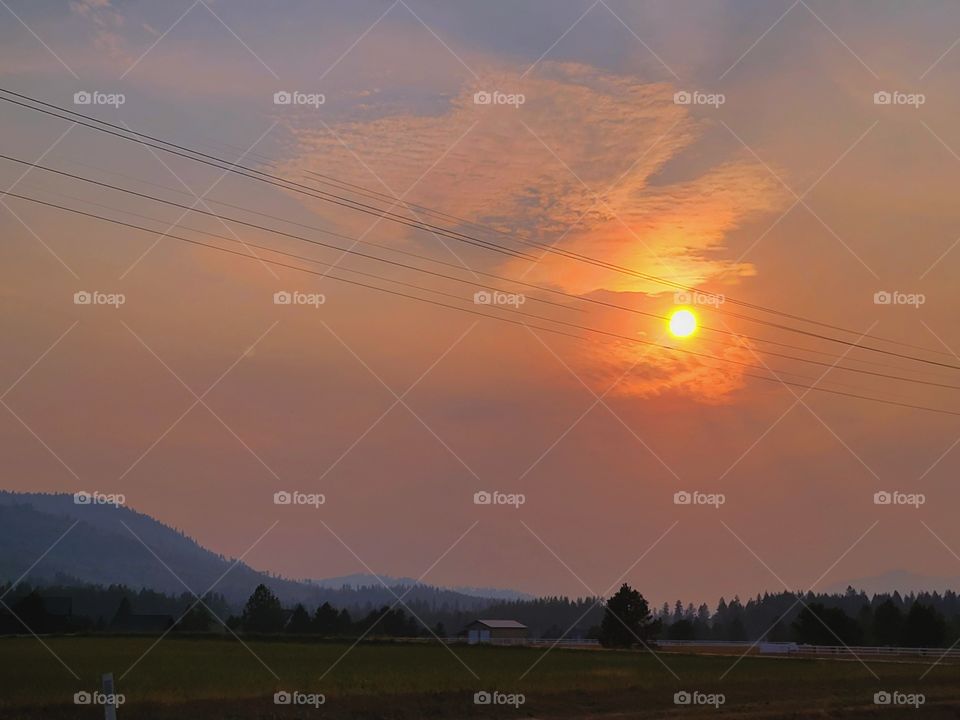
x=299, y=621
x=627, y=620
x=263, y=612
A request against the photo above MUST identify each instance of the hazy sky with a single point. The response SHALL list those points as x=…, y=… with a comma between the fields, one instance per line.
x=796, y=191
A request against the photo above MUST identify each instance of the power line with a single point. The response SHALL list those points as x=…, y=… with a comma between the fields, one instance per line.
x=350, y=251
x=253, y=173
x=460, y=267
x=245, y=171
x=617, y=336
x=267, y=248
x=248, y=245
x=856, y=396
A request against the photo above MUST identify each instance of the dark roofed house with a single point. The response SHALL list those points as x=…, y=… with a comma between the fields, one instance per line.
x=502, y=632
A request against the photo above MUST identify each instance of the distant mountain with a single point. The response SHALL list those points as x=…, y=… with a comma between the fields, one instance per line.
x=358, y=580
x=105, y=548
x=903, y=581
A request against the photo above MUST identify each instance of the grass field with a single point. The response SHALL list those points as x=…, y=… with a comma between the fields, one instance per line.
x=220, y=678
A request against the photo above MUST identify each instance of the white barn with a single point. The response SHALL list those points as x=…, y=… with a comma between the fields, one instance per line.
x=496, y=631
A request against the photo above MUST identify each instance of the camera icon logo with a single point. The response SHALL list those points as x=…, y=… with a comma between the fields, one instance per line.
x=282, y=698
x=882, y=97
x=482, y=698
x=82, y=297
x=82, y=498
x=882, y=698
x=482, y=97
x=882, y=497
x=682, y=497
x=282, y=97
x=482, y=297
x=282, y=297
x=82, y=698
x=482, y=497
x=682, y=698
x=882, y=297
x=282, y=498
x=682, y=297
x=682, y=97
x=82, y=98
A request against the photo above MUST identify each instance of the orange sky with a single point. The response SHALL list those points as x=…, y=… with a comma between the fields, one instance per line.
x=797, y=192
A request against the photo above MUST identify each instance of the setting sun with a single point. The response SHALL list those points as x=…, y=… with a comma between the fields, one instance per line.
x=683, y=323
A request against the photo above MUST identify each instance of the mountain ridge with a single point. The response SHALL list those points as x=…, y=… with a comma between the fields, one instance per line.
x=114, y=545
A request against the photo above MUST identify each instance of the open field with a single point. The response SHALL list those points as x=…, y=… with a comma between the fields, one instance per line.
x=220, y=678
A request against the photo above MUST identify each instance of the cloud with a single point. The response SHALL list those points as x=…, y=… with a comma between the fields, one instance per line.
x=108, y=23
x=579, y=165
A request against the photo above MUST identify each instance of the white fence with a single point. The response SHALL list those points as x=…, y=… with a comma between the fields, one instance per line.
x=541, y=642
x=858, y=650
x=785, y=648
x=740, y=646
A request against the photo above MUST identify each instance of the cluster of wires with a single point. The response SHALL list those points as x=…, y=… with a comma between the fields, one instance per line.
x=551, y=309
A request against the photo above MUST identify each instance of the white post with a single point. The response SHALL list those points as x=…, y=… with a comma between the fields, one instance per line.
x=110, y=693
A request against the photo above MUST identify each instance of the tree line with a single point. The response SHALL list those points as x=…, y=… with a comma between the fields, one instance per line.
x=95, y=609
x=851, y=618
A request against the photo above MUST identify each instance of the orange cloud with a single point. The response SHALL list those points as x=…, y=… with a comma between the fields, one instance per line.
x=582, y=161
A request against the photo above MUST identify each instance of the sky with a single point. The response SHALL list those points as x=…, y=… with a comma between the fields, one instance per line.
x=785, y=184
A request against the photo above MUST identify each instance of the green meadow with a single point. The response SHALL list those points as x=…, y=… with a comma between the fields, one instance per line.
x=224, y=678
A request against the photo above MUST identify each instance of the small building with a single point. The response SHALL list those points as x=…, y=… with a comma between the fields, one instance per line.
x=496, y=631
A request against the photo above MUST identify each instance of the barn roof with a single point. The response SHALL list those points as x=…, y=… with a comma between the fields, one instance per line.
x=502, y=624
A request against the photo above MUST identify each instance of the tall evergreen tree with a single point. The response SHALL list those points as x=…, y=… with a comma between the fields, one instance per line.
x=325, y=620
x=627, y=620
x=263, y=612
x=924, y=627
x=299, y=623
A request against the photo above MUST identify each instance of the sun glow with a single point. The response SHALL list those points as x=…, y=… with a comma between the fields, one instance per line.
x=683, y=323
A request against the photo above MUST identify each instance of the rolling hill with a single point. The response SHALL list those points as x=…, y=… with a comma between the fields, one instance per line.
x=103, y=548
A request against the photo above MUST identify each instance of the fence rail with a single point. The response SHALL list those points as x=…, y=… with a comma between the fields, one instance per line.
x=875, y=651
x=536, y=642
x=761, y=648
x=784, y=648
